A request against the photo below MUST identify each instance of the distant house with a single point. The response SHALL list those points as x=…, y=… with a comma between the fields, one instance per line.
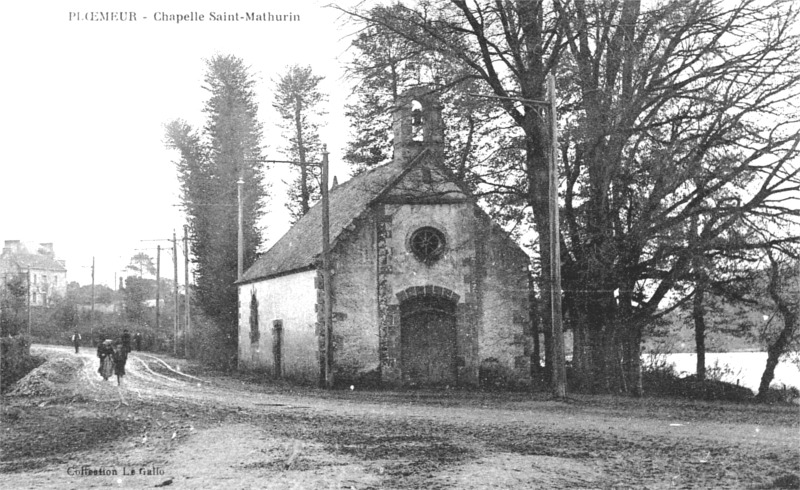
x=425, y=288
x=37, y=264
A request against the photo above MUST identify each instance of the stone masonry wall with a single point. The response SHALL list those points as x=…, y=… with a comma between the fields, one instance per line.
x=291, y=299
x=355, y=301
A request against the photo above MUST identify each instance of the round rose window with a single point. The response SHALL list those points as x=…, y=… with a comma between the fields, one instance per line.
x=427, y=244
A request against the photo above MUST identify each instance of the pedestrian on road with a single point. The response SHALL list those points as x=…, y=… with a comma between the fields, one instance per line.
x=120, y=358
x=76, y=341
x=126, y=340
x=105, y=351
x=138, y=339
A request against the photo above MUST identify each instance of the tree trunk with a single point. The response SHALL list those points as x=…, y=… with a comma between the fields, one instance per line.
x=774, y=353
x=301, y=150
x=533, y=315
x=698, y=314
x=789, y=313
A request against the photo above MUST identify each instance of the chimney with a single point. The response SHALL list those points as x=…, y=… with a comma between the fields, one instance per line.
x=12, y=247
x=418, y=124
x=47, y=249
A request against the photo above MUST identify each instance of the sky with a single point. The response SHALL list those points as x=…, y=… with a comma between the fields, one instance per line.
x=85, y=103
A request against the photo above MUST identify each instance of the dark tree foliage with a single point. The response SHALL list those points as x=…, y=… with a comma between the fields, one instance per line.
x=683, y=132
x=385, y=64
x=137, y=291
x=13, y=301
x=299, y=103
x=211, y=162
x=678, y=128
x=493, y=55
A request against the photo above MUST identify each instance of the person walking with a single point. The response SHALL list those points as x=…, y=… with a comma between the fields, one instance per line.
x=126, y=340
x=105, y=351
x=120, y=358
x=76, y=341
x=137, y=337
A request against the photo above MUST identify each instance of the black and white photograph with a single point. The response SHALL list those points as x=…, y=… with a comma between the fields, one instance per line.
x=405, y=244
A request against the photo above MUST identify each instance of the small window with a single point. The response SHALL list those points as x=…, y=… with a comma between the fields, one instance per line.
x=255, y=335
x=277, y=347
x=427, y=244
x=416, y=121
x=35, y=279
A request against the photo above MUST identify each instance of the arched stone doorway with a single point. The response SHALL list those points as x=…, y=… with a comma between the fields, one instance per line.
x=428, y=340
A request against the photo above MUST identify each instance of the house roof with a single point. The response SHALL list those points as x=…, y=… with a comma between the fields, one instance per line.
x=23, y=261
x=300, y=247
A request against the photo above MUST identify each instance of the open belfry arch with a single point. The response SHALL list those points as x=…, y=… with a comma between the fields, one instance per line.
x=424, y=287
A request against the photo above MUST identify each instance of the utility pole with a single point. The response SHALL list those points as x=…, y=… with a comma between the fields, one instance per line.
x=175, y=266
x=91, y=317
x=29, y=301
x=326, y=272
x=559, y=377
x=240, y=234
x=187, y=325
x=158, y=288
x=559, y=368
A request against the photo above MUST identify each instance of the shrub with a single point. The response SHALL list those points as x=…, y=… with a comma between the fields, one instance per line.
x=16, y=360
x=493, y=375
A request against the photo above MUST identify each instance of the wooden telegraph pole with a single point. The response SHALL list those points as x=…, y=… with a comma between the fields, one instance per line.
x=187, y=325
x=29, y=301
x=91, y=317
x=326, y=272
x=240, y=233
x=175, y=267
x=559, y=376
x=158, y=289
x=559, y=367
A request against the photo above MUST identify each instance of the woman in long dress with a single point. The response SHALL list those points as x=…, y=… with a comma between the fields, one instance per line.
x=105, y=351
x=120, y=358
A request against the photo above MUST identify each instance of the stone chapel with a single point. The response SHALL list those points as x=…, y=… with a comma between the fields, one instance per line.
x=425, y=287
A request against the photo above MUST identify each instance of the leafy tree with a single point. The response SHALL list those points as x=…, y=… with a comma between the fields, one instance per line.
x=678, y=112
x=211, y=162
x=141, y=263
x=13, y=301
x=671, y=134
x=298, y=101
x=506, y=49
x=137, y=292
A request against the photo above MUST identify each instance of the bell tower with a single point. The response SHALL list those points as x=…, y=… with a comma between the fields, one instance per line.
x=418, y=124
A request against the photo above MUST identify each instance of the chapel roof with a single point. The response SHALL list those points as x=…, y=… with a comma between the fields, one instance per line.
x=301, y=246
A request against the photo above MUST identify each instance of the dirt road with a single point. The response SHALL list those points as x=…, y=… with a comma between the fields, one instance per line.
x=163, y=427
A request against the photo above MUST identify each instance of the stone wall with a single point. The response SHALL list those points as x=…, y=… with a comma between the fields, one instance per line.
x=355, y=301
x=505, y=332
x=291, y=300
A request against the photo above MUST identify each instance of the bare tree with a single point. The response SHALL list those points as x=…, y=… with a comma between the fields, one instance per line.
x=677, y=124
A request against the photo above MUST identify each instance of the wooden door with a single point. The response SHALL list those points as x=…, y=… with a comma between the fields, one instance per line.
x=428, y=342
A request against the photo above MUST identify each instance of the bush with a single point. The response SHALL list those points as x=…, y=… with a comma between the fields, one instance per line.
x=16, y=360
x=781, y=394
x=344, y=378
x=493, y=375
x=663, y=380
x=211, y=346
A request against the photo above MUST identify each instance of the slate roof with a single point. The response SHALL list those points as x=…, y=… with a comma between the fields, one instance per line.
x=24, y=261
x=299, y=248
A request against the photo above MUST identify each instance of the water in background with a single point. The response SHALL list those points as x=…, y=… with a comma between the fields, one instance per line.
x=746, y=367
